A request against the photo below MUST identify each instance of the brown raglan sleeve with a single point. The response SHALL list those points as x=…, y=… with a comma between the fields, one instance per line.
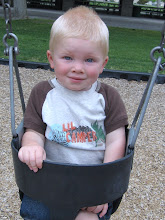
x=116, y=115
x=33, y=114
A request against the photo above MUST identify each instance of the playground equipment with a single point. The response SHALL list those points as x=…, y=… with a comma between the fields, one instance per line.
x=65, y=188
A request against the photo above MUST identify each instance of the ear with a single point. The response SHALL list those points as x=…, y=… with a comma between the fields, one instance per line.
x=50, y=58
x=104, y=64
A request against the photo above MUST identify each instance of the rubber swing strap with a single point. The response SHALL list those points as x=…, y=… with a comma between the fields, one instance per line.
x=139, y=116
x=159, y=65
x=13, y=63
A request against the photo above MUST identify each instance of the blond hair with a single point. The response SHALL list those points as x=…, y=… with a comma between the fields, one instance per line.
x=80, y=22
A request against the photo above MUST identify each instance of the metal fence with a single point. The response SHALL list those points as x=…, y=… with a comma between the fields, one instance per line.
x=50, y=4
x=104, y=6
x=47, y=4
x=152, y=12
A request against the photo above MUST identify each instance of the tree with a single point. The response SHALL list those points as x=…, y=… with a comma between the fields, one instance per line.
x=20, y=9
x=158, y=3
x=126, y=7
x=66, y=4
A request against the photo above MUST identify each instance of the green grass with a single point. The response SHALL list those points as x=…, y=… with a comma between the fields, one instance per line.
x=129, y=49
x=33, y=38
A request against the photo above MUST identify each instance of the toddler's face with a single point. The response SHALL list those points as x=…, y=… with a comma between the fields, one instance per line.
x=77, y=63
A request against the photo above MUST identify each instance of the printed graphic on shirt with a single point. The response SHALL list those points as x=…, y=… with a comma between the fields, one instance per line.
x=99, y=132
x=67, y=133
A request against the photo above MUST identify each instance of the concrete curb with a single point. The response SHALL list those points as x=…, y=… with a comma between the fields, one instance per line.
x=117, y=74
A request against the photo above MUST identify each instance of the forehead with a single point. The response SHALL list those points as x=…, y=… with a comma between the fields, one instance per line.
x=78, y=45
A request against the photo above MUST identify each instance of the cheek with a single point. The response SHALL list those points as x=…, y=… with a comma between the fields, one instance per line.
x=93, y=76
x=61, y=68
x=94, y=72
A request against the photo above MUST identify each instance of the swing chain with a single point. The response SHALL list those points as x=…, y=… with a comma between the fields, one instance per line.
x=159, y=49
x=9, y=34
x=162, y=42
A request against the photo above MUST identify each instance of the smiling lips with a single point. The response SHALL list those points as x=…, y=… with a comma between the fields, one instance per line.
x=76, y=79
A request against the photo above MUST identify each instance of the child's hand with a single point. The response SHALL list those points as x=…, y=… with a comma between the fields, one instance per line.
x=32, y=151
x=96, y=209
x=33, y=156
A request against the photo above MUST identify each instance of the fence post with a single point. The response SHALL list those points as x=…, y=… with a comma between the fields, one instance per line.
x=20, y=9
x=68, y=4
x=126, y=8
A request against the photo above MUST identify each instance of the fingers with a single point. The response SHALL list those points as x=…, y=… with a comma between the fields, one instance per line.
x=104, y=210
x=34, y=162
x=33, y=157
x=91, y=209
x=23, y=155
x=96, y=209
x=83, y=208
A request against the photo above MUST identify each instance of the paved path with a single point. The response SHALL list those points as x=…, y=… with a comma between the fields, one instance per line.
x=110, y=20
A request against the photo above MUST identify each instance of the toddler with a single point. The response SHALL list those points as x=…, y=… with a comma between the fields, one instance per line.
x=74, y=118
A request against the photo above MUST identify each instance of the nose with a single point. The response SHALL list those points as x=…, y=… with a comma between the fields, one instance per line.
x=78, y=67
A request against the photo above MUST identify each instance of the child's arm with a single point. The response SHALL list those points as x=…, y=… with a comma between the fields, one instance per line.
x=115, y=145
x=32, y=151
x=115, y=149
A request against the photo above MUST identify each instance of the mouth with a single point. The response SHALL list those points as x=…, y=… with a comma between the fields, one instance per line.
x=76, y=79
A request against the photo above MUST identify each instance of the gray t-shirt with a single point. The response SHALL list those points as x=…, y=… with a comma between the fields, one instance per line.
x=75, y=123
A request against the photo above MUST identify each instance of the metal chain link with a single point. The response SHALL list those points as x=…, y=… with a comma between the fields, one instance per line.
x=9, y=34
x=159, y=49
x=7, y=15
x=162, y=42
x=12, y=51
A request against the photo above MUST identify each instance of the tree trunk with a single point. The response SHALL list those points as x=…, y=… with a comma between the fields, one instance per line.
x=126, y=8
x=67, y=4
x=20, y=9
x=158, y=3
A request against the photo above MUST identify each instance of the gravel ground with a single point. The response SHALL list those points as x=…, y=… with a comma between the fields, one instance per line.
x=146, y=194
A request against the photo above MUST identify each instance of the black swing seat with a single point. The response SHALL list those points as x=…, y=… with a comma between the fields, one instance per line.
x=65, y=188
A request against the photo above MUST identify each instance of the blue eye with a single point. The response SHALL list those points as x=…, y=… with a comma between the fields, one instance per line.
x=67, y=58
x=90, y=60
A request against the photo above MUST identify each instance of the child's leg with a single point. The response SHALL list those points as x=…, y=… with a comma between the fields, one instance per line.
x=32, y=209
